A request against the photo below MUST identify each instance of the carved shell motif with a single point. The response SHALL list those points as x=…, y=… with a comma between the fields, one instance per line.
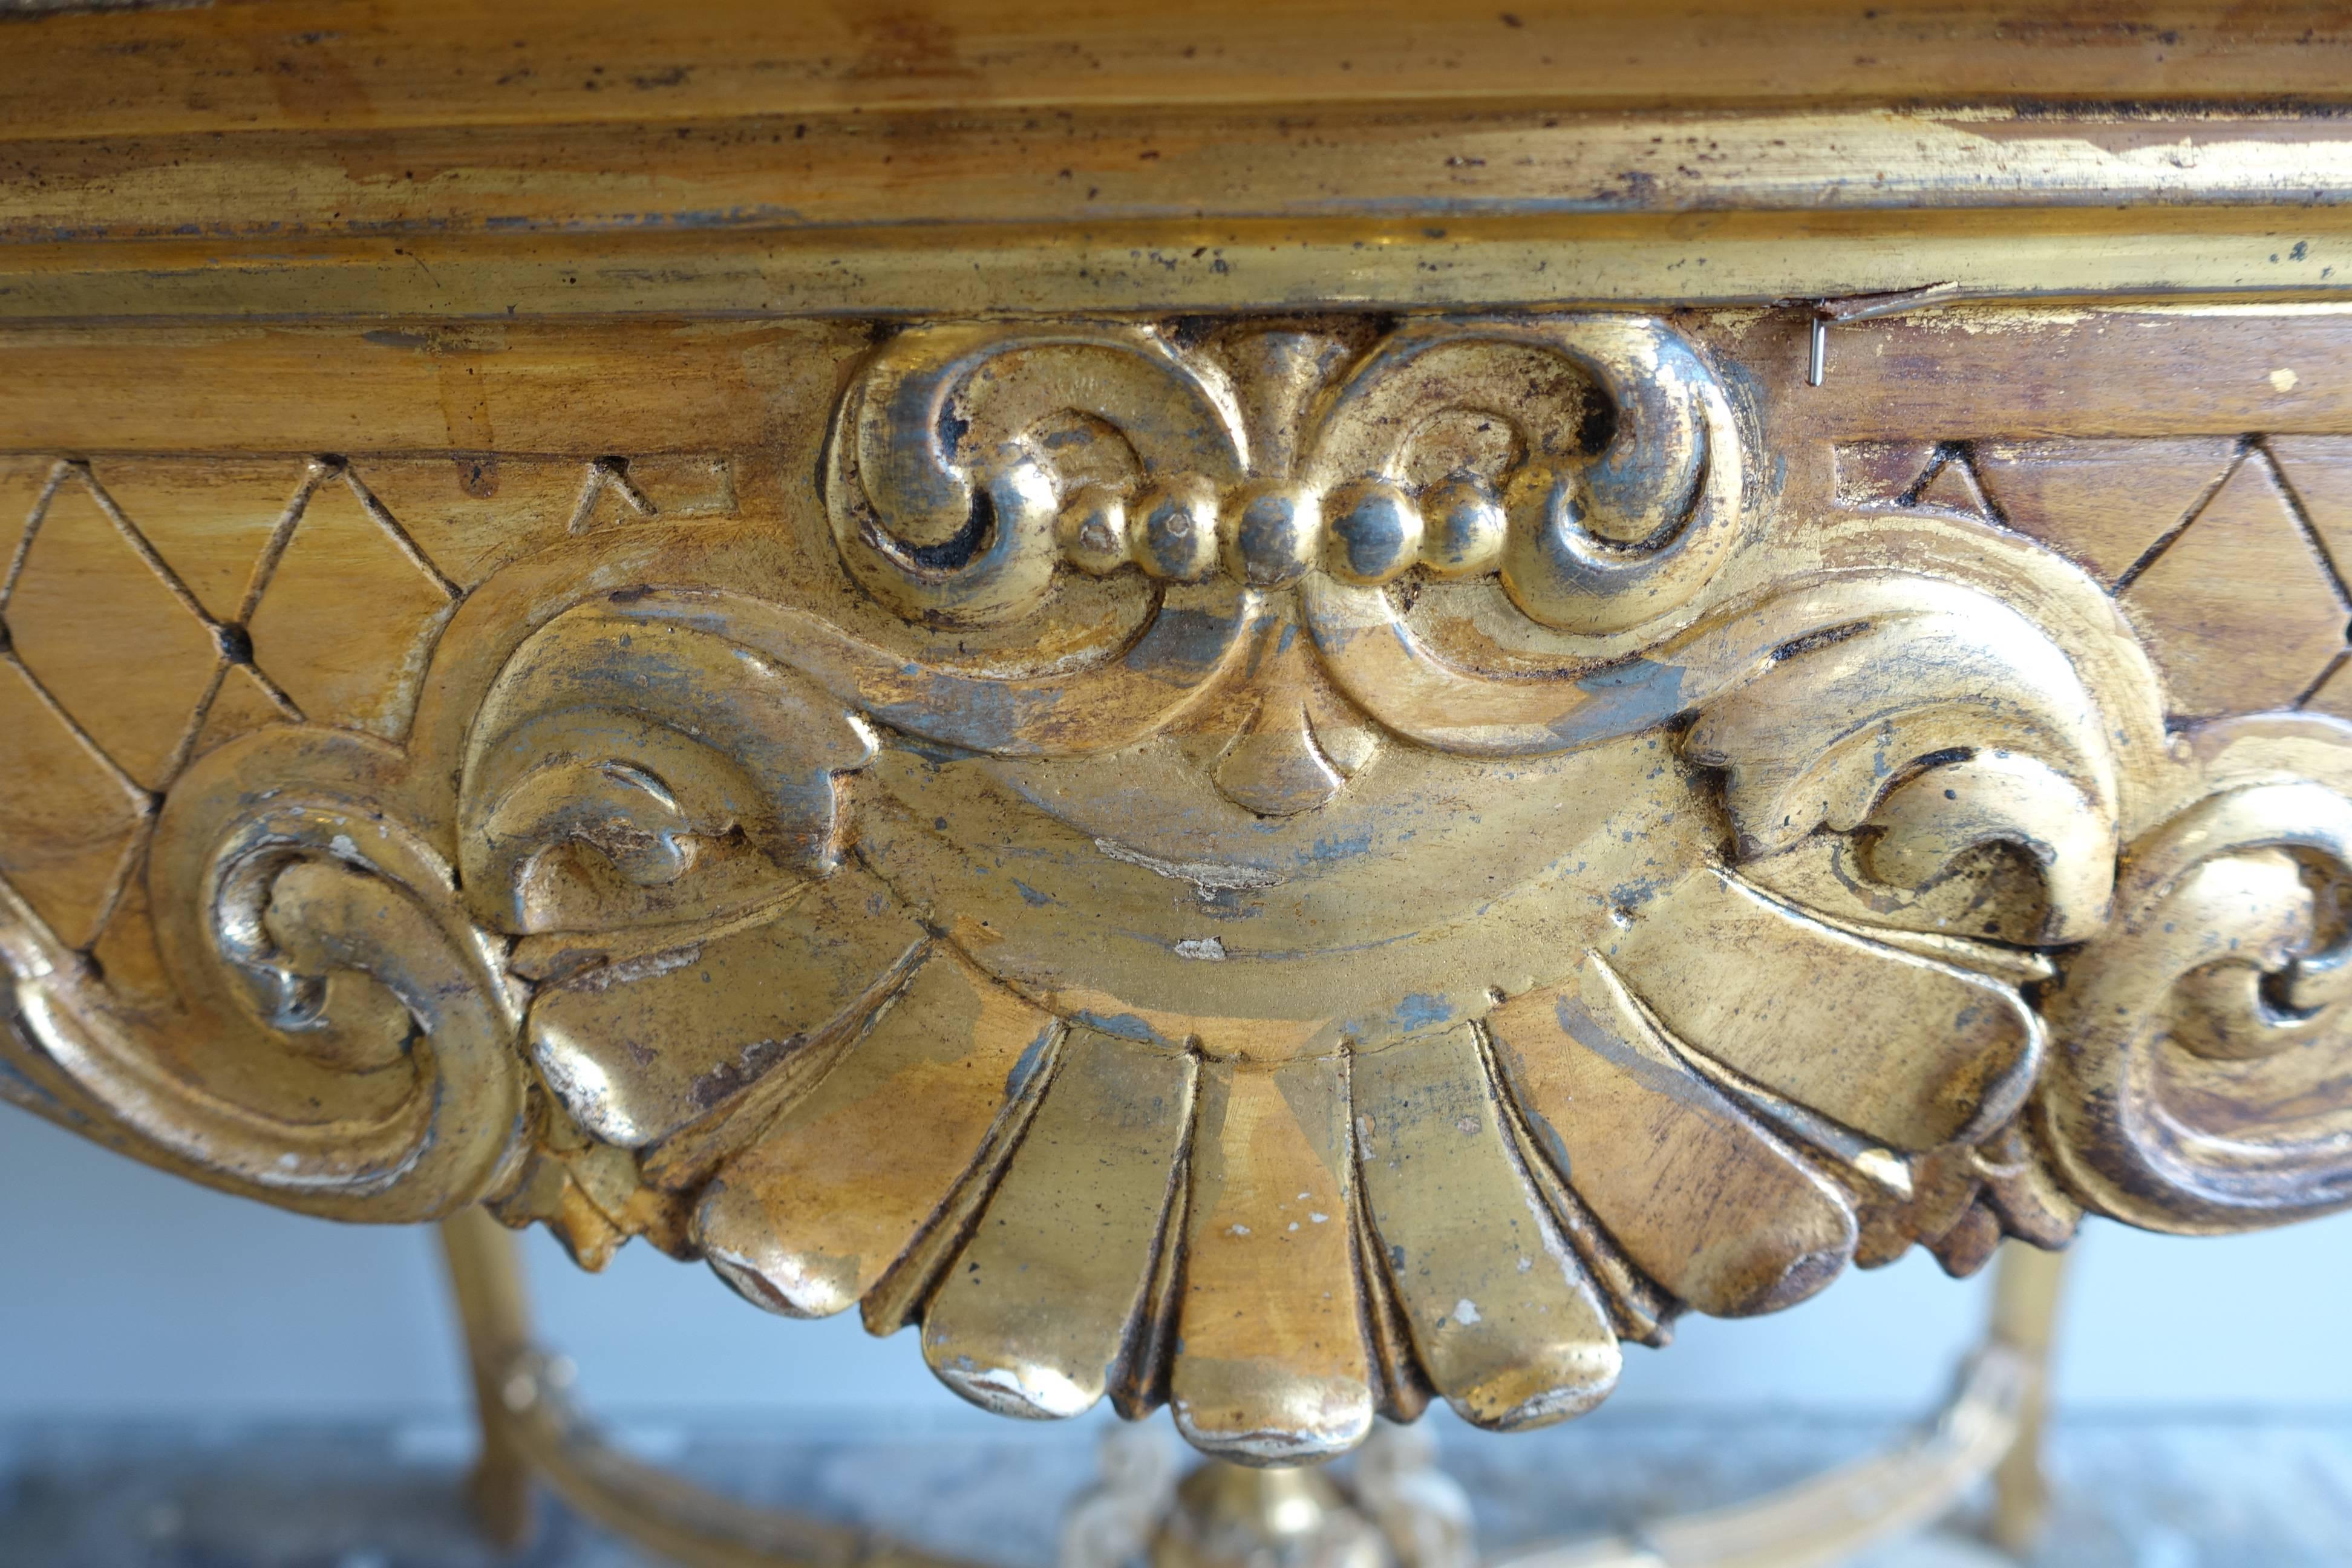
x=1314, y=868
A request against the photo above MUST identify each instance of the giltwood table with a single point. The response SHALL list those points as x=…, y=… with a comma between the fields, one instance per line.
x=1284, y=709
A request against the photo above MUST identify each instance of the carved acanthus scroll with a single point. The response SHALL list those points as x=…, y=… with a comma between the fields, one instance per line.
x=1285, y=869
x=1458, y=450
x=2204, y=1087
x=345, y=1043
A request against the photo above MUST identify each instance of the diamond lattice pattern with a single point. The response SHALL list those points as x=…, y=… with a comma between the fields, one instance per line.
x=155, y=608
x=2223, y=552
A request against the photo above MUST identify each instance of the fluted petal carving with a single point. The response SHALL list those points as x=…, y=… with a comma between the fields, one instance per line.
x=1503, y=1317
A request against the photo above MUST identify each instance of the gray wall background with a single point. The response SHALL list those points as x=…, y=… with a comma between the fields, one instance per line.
x=124, y=1293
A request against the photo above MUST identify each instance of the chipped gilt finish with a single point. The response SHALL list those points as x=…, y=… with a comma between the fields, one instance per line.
x=1226, y=747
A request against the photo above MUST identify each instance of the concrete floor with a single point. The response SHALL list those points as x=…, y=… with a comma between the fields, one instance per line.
x=2132, y=1493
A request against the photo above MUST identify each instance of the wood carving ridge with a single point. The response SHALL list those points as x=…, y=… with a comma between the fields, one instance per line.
x=1285, y=869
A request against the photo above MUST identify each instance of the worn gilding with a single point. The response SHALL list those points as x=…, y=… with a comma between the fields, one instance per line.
x=1281, y=866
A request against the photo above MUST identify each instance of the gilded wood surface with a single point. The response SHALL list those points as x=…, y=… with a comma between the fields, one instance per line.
x=328, y=63
x=1200, y=704
x=304, y=158
x=1289, y=866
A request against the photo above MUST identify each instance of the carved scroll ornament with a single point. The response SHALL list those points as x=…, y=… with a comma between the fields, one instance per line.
x=1291, y=870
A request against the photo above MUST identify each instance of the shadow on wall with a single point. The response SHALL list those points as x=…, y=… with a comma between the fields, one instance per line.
x=132, y=1294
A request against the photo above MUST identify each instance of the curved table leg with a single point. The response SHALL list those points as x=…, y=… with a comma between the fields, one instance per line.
x=1826, y=1520
x=1991, y=1426
x=486, y=1277
x=530, y=1431
x=2026, y=1291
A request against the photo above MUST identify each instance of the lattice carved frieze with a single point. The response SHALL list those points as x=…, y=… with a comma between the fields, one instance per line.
x=1360, y=860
